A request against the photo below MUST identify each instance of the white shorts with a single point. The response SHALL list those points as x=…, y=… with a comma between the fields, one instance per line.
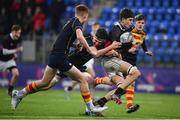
x=4, y=65
x=111, y=64
x=90, y=64
x=111, y=74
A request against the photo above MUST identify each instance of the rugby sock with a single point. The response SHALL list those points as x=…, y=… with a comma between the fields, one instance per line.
x=87, y=98
x=10, y=89
x=100, y=80
x=129, y=96
x=31, y=88
x=70, y=88
x=119, y=91
x=101, y=102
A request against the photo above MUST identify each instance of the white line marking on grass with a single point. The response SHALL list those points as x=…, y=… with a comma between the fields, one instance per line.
x=71, y=117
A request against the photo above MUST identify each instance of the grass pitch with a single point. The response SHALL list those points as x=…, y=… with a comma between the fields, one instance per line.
x=53, y=104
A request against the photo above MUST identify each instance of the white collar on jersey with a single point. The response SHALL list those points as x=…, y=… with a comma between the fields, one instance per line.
x=121, y=27
x=11, y=36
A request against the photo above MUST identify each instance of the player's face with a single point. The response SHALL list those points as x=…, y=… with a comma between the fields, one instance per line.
x=97, y=41
x=16, y=34
x=128, y=22
x=84, y=17
x=139, y=25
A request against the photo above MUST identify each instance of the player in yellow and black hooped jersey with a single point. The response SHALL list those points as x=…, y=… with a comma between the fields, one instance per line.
x=139, y=40
x=139, y=35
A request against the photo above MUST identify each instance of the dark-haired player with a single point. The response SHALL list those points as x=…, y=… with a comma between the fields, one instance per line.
x=125, y=25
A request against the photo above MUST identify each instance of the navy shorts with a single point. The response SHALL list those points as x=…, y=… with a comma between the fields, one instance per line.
x=59, y=61
x=62, y=75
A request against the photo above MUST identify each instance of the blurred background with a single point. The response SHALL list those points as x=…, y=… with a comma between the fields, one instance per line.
x=41, y=20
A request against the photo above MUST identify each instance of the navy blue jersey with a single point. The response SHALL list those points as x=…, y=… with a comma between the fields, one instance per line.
x=8, y=43
x=67, y=36
x=115, y=34
x=79, y=58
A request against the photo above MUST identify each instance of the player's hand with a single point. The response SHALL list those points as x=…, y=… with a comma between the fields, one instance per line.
x=19, y=49
x=114, y=53
x=115, y=45
x=132, y=50
x=149, y=53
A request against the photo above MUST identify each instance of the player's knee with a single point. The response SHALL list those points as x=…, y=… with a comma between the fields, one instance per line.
x=135, y=72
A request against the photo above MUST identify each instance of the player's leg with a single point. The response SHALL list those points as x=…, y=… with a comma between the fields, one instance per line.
x=90, y=70
x=14, y=79
x=90, y=67
x=33, y=87
x=70, y=87
x=11, y=66
x=53, y=82
x=116, y=80
x=75, y=74
x=133, y=74
x=118, y=65
x=130, y=106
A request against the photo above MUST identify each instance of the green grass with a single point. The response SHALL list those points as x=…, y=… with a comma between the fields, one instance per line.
x=53, y=105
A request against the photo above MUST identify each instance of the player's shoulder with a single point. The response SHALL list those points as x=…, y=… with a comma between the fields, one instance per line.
x=139, y=32
x=6, y=38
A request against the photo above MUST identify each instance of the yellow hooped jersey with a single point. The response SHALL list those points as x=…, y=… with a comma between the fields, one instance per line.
x=139, y=36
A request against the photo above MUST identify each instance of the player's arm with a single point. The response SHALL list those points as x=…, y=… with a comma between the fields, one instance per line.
x=7, y=51
x=11, y=51
x=105, y=50
x=83, y=41
x=146, y=50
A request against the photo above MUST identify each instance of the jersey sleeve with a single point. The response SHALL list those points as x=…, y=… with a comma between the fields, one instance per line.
x=76, y=25
x=5, y=43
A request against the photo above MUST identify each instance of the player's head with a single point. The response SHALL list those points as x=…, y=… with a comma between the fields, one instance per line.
x=16, y=31
x=82, y=12
x=126, y=17
x=139, y=22
x=101, y=36
x=95, y=27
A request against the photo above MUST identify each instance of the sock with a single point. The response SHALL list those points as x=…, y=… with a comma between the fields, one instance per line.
x=129, y=96
x=99, y=80
x=87, y=98
x=119, y=91
x=31, y=88
x=10, y=89
x=101, y=102
x=69, y=88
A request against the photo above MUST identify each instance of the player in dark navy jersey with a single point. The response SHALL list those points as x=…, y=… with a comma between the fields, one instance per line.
x=122, y=27
x=58, y=61
x=80, y=57
x=11, y=46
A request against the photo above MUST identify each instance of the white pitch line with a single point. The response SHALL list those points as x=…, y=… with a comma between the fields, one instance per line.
x=70, y=118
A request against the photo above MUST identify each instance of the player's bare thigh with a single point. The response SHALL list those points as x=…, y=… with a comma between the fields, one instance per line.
x=75, y=74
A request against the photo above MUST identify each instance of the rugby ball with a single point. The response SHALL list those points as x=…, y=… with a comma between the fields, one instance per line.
x=126, y=37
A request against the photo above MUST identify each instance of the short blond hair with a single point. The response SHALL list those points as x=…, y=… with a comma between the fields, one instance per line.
x=81, y=9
